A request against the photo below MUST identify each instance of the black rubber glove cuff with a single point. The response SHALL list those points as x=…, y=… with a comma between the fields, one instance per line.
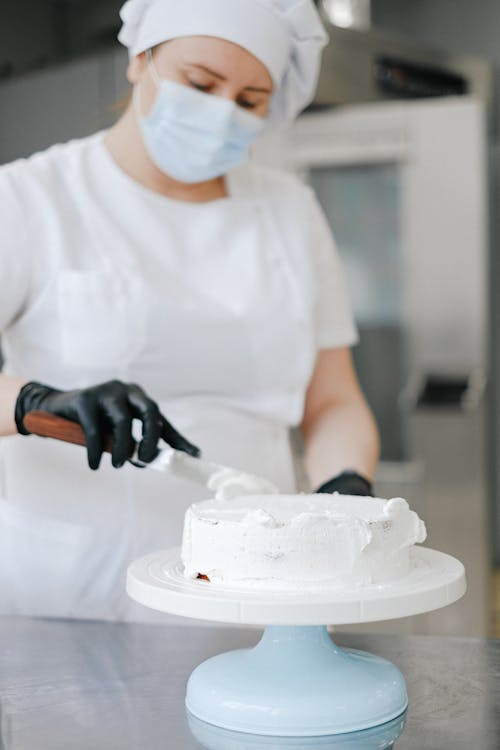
x=348, y=483
x=28, y=399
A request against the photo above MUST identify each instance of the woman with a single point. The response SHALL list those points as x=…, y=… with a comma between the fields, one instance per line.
x=154, y=254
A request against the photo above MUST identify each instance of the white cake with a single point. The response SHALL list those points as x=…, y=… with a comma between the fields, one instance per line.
x=300, y=541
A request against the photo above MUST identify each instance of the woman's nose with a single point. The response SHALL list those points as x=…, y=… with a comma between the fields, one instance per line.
x=229, y=93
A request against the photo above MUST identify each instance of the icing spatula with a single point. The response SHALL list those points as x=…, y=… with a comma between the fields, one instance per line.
x=224, y=481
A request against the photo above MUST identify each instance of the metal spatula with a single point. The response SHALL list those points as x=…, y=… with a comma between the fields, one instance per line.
x=224, y=481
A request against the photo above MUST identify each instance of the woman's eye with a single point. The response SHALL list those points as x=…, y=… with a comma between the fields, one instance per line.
x=246, y=104
x=200, y=86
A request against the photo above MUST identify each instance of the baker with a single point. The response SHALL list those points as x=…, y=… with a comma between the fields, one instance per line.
x=151, y=272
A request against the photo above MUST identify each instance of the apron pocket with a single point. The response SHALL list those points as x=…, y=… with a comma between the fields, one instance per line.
x=102, y=318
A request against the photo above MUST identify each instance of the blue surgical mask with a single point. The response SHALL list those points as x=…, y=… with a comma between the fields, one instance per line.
x=192, y=136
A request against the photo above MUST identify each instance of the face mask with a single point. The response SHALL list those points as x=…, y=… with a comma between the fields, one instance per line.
x=192, y=136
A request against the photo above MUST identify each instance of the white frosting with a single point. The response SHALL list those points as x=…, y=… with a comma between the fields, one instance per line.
x=230, y=483
x=300, y=541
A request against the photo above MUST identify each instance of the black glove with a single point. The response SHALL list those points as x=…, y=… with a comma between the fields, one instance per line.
x=348, y=483
x=107, y=408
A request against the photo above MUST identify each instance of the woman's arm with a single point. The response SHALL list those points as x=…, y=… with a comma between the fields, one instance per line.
x=9, y=391
x=338, y=427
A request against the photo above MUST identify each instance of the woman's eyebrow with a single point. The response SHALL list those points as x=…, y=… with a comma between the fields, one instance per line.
x=257, y=89
x=208, y=70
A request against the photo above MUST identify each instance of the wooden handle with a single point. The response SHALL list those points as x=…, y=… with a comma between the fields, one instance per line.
x=48, y=425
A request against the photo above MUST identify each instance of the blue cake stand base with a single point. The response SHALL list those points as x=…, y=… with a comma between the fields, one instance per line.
x=296, y=682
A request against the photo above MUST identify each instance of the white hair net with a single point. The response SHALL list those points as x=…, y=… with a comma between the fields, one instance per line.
x=287, y=36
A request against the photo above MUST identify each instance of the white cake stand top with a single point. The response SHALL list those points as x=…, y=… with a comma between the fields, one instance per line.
x=157, y=582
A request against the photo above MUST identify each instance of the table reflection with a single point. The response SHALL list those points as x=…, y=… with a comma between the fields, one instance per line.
x=382, y=737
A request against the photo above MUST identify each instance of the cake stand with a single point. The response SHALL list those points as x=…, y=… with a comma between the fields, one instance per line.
x=296, y=682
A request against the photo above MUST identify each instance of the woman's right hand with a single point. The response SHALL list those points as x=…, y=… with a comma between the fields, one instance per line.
x=102, y=410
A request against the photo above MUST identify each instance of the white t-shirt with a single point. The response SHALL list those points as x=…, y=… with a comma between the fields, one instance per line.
x=102, y=278
x=217, y=310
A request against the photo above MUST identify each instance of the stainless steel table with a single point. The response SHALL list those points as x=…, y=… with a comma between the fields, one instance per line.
x=73, y=685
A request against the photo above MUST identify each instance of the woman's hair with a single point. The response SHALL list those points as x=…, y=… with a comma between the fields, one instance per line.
x=120, y=105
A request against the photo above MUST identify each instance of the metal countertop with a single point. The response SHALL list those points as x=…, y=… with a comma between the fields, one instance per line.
x=77, y=685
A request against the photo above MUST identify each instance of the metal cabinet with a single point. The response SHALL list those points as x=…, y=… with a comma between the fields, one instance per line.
x=56, y=104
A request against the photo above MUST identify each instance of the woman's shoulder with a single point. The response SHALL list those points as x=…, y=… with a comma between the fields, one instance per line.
x=44, y=169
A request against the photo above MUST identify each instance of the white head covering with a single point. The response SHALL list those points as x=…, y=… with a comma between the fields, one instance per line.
x=287, y=36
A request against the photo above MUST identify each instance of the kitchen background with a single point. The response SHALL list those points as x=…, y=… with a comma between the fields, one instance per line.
x=402, y=148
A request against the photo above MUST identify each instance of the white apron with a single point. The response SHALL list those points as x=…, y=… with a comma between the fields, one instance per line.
x=68, y=534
